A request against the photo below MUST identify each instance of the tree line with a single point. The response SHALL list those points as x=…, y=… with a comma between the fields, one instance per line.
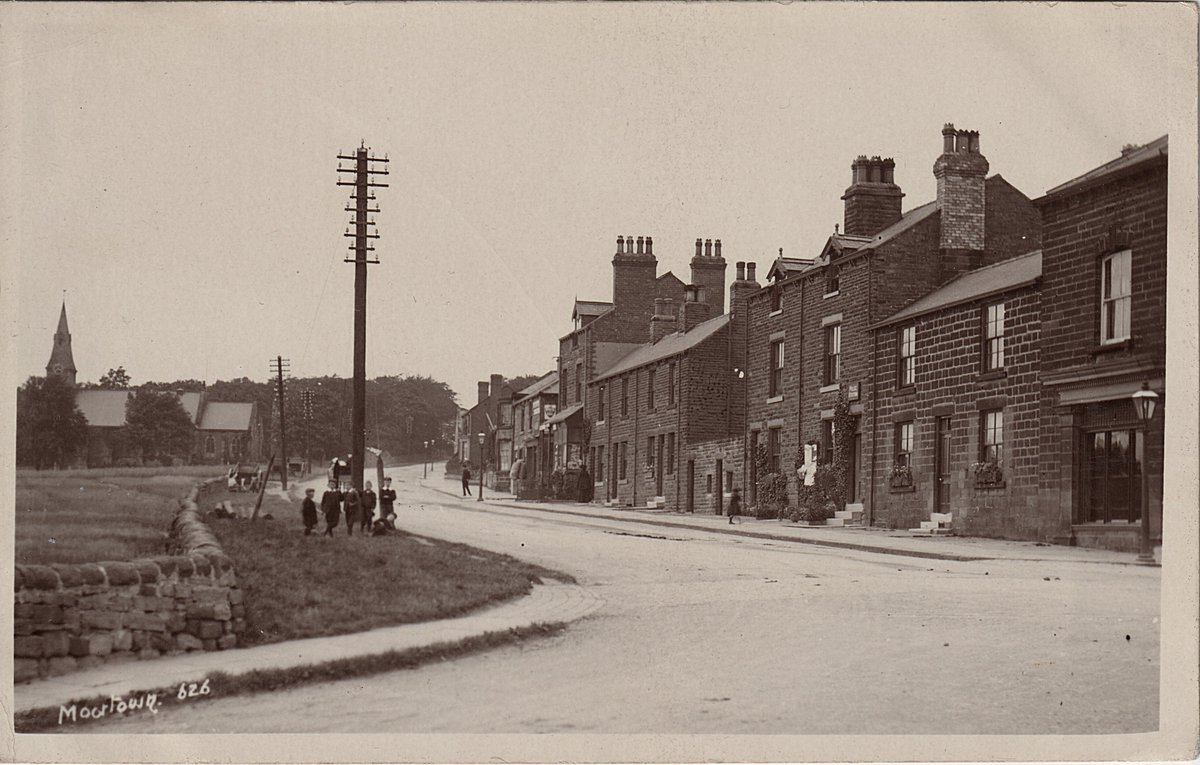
x=402, y=414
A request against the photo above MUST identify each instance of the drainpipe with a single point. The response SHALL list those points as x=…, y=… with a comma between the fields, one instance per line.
x=679, y=388
x=869, y=516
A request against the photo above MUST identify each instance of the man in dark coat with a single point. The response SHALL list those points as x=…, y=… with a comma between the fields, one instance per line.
x=331, y=507
x=387, y=498
x=308, y=511
x=735, y=504
x=353, y=502
x=466, y=481
x=367, y=499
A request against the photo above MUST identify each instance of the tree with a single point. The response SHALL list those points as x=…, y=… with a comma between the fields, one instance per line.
x=50, y=427
x=157, y=424
x=115, y=379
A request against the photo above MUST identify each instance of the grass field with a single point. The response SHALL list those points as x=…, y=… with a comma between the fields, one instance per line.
x=90, y=516
x=298, y=586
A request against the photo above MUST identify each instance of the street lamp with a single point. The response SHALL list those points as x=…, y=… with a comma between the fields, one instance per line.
x=1144, y=401
x=481, y=464
x=425, y=463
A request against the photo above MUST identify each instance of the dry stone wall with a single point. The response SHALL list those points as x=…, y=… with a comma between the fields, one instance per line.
x=72, y=617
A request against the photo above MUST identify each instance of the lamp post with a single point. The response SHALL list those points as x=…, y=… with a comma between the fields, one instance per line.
x=1144, y=401
x=482, y=462
x=425, y=463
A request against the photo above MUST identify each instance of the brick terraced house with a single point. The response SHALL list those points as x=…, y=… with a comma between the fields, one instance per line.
x=957, y=408
x=1104, y=281
x=810, y=335
x=667, y=418
x=533, y=458
x=604, y=333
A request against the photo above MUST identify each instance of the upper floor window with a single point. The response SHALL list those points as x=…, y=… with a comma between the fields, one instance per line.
x=1115, y=291
x=624, y=396
x=991, y=436
x=776, y=298
x=670, y=385
x=600, y=405
x=650, y=387
x=578, y=383
x=832, y=278
x=776, y=380
x=833, y=353
x=906, y=366
x=993, y=337
x=505, y=416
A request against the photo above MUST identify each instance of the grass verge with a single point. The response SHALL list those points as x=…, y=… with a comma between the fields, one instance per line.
x=222, y=685
x=90, y=516
x=299, y=586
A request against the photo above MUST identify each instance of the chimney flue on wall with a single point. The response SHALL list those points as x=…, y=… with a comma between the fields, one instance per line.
x=662, y=323
x=961, y=172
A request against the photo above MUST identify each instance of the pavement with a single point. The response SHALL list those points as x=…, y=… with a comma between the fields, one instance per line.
x=545, y=604
x=883, y=541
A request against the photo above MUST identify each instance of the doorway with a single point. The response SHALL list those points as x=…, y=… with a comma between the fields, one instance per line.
x=941, y=495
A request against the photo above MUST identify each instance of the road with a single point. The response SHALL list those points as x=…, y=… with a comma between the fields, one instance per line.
x=709, y=633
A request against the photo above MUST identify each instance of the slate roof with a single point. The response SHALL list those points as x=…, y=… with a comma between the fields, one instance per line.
x=671, y=345
x=907, y=221
x=786, y=267
x=998, y=277
x=102, y=408
x=1128, y=160
x=191, y=405
x=549, y=381
x=589, y=308
x=219, y=415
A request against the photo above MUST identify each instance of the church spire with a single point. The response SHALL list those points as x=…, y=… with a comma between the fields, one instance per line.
x=62, y=362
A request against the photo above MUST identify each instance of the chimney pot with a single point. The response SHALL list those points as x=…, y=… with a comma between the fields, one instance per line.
x=640, y=244
x=708, y=248
x=620, y=244
x=629, y=245
x=699, y=244
x=741, y=271
x=750, y=270
x=948, y=138
x=974, y=141
x=717, y=248
x=649, y=245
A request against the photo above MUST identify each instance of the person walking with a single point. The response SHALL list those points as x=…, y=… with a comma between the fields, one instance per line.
x=353, y=502
x=308, y=511
x=331, y=506
x=735, y=504
x=368, y=507
x=466, y=475
x=387, y=497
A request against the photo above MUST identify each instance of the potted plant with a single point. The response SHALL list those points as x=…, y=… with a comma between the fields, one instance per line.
x=901, y=476
x=988, y=473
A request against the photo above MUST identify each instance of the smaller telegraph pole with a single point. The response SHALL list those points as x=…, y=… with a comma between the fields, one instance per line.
x=279, y=366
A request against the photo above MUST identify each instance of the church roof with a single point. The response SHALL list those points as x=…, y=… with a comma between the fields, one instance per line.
x=102, y=408
x=61, y=353
x=219, y=415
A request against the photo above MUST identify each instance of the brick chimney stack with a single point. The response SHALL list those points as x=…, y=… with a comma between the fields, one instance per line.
x=960, y=172
x=483, y=392
x=634, y=287
x=696, y=309
x=708, y=271
x=739, y=329
x=662, y=323
x=873, y=200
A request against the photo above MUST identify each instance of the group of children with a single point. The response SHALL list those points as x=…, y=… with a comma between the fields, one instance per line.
x=359, y=509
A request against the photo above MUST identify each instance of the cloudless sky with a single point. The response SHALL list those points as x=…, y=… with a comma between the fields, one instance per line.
x=172, y=167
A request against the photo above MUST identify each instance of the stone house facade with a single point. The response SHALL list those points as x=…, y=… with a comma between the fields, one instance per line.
x=954, y=429
x=533, y=443
x=1104, y=335
x=810, y=339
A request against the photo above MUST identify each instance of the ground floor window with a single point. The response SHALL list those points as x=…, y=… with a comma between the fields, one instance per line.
x=903, y=443
x=1114, y=471
x=670, y=466
x=773, y=436
x=624, y=459
x=599, y=463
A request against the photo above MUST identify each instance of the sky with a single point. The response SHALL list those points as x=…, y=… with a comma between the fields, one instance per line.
x=172, y=168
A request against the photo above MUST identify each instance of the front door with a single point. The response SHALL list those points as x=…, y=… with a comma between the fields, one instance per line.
x=660, y=467
x=941, y=500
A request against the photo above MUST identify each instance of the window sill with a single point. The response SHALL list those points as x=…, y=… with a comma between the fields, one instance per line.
x=1121, y=345
x=831, y=388
x=828, y=295
x=775, y=399
x=905, y=390
x=623, y=481
x=902, y=489
x=776, y=312
x=995, y=374
x=989, y=486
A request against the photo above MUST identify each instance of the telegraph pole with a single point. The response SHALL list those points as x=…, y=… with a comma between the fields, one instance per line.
x=279, y=366
x=363, y=170
x=306, y=406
